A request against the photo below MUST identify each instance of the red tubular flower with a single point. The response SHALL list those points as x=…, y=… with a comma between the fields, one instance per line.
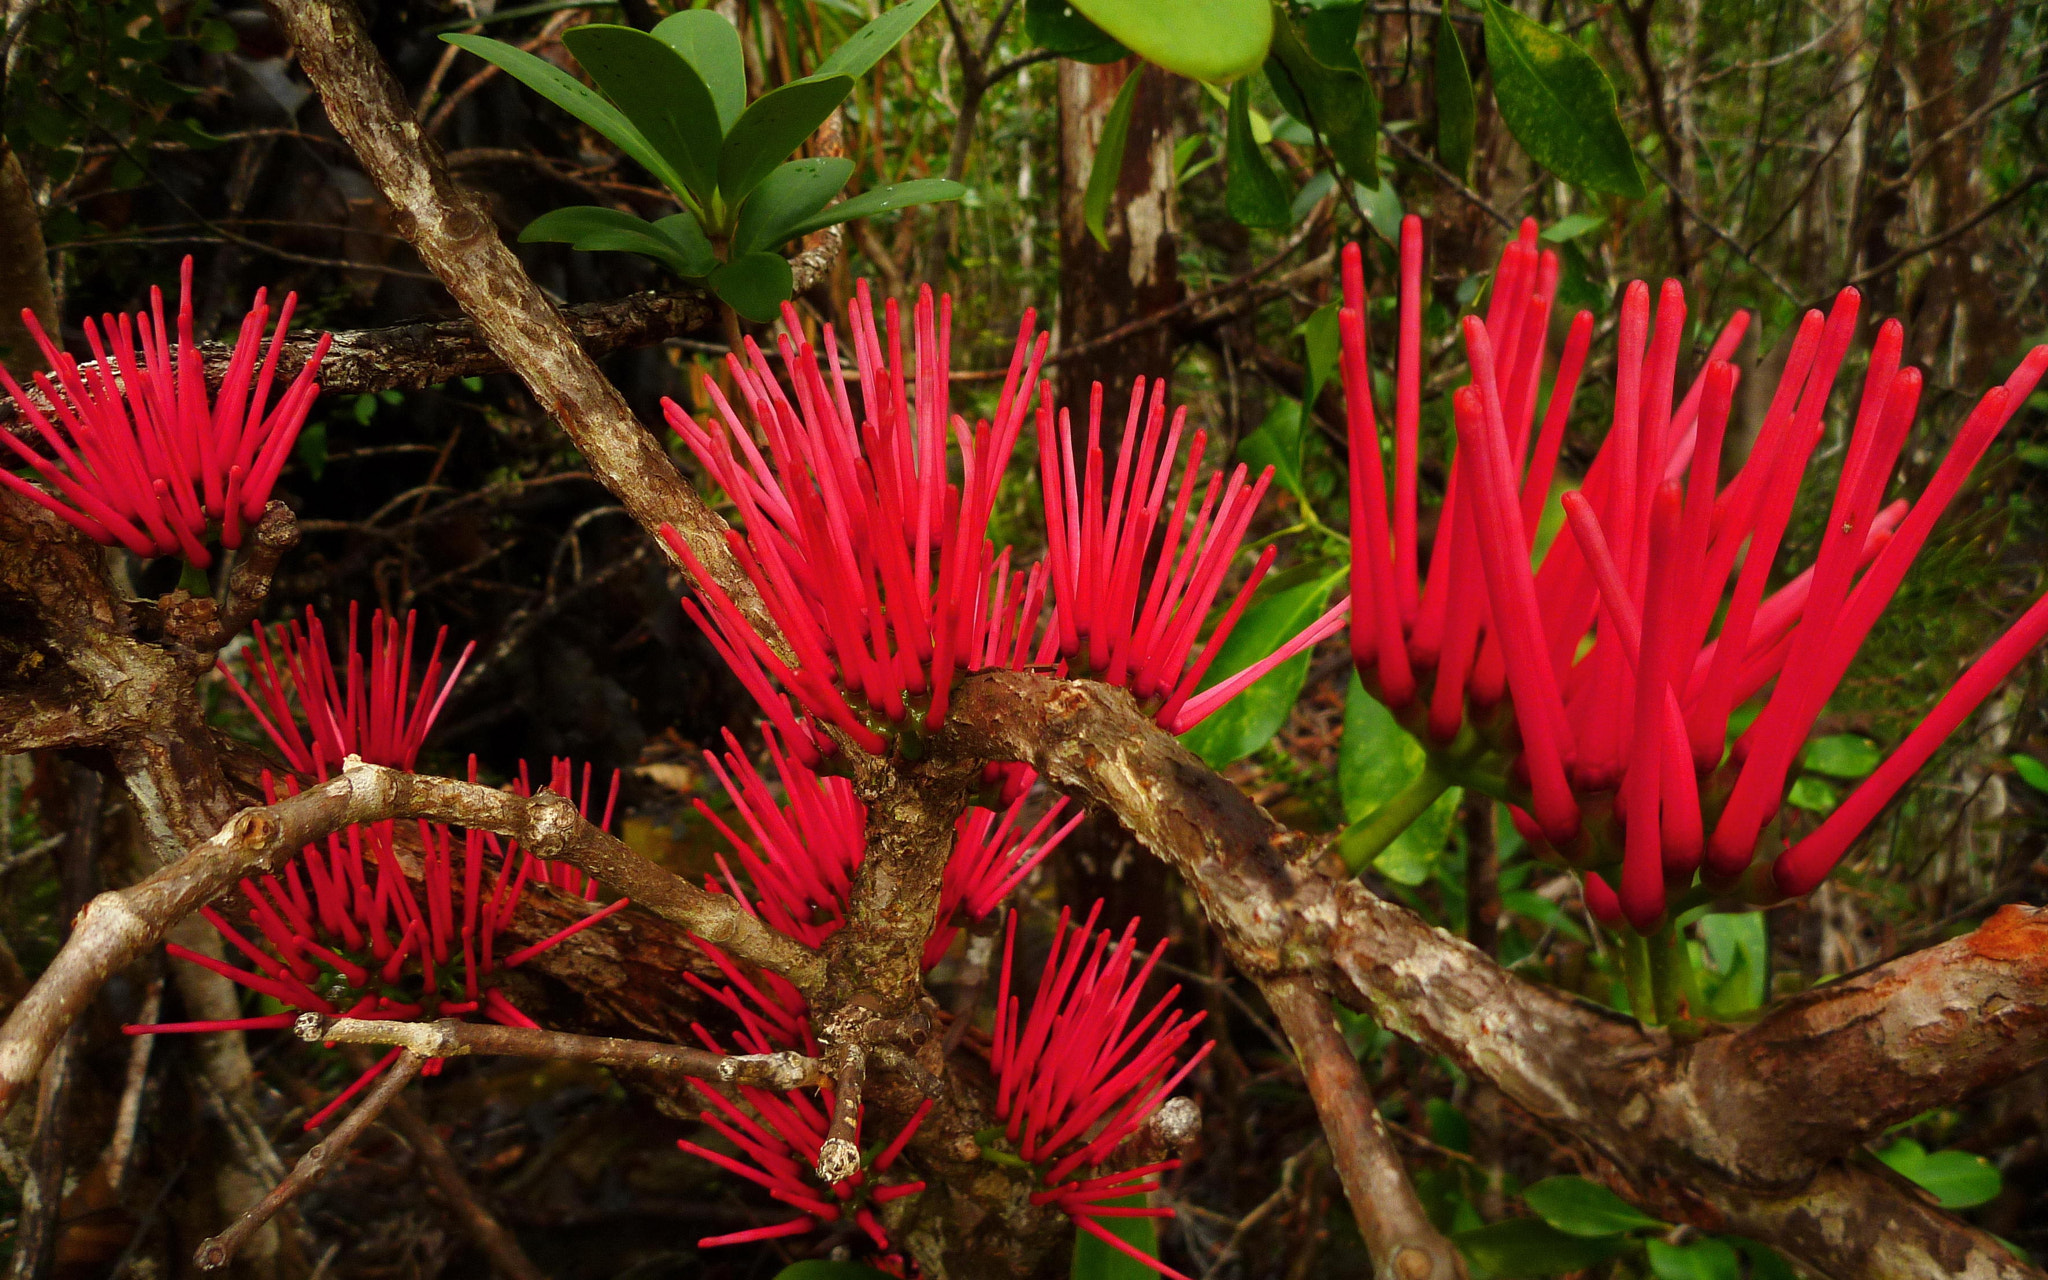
x=1111, y=622
x=805, y=849
x=874, y=566
x=345, y=715
x=142, y=460
x=1637, y=723
x=565, y=876
x=778, y=1136
x=1077, y=1075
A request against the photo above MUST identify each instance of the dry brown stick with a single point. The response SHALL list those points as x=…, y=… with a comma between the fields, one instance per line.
x=217, y=1252
x=476, y=1220
x=839, y=1154
x=277, y=532
x=121, y=1147
x=450, y=1038
x=1397, y=1232
x=42, y=1192
x=118, y=927
x=457, y=241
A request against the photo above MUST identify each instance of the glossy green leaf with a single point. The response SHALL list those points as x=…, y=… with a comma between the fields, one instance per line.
x=756, y=285
x=575, y=97
x=1457, y=114
x=1248, y=721
x=1531, y=1247
x=1571, y=227
x=1580, y=1207
x=771, y=127
x=1108, y=165
x=676, y=242
x=1843, y=755
x=1276, y=443
x=897, y=195
x=1060, y=27
x=1765, y=1263
x=1701, y=1258
x=1252, y=192
x=1737, y=945
x=1958, y=1179
x=794, y=192
x=711, y=46
x=660, y=93
x=828, y=1269
x=865, y=47
x=1813, y=795
x=1376, y=762
x=2031, y=771
x=1212, y=40
x=1322, y=344
x=1559, y=105
x=1094, y=1260
x=1327, y=90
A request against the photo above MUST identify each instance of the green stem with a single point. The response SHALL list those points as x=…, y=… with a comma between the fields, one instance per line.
x=1632, y=951
x=1369, y=837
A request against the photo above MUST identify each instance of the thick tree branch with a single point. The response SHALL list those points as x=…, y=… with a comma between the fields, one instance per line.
x=118, y=927
x=1670, y=1125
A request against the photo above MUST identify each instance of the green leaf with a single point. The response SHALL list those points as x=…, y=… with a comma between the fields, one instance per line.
x=1530, y=1247
x=676, y=242
x=1457, y=114
x=1448, y=1127
x=1277, y=444
x=1704, y=1258
x=898, y=195
x=1331, y=96
x=1376, y=762
x=1381, y=206
x=1578, y=1207
x=1737, y=944
x=1321, y=339
x=1059, y=27
x=774, y=125
x=826, y=1269
x=660, y=93
x=1212, y=40
x=1571, y=227
x=756, y=285
x=711, y=46
x=1248, y=721
x=311, y=449
x=575, y=97
x=1094, y=1260
x=1813, y=795
x=1843, y=755
x=2031, y=771
x=1764, y=1261
x=1558, y=104
x=787, y=197
x=1108, y=165
x=1958, y=1179
x=865, y=47
x=1252, y=192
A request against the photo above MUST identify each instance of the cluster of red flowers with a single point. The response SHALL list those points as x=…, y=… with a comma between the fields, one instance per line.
x=1620, y=748
x=1076, y=1076
x=343, y=930
x=878, y=570
x=142, y=459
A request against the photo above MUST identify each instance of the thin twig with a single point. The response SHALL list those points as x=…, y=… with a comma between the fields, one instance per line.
x=450, y=1038
x=217, y=1252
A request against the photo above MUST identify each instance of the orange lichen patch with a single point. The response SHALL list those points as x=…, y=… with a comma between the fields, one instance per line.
x=2014, y=933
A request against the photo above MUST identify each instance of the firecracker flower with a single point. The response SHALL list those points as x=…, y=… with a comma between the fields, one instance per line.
x=800, y=853
x=373, y=713
x=567, y=877
x=874, y=566
x=142, y=459
x=1114, y=623
x=778, y=1136
x=1077, y=1075
x=1618, y=750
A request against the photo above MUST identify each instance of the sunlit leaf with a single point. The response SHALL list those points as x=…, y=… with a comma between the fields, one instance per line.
x=711, y=46
x=1213, y=40
x=660, y=92
x=1958, y=1179
x=1580, y=1207
x=865, y=47
x=1843, y=755
x=1375, y=763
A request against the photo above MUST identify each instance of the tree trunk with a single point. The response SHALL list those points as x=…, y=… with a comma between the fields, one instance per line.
x=24, y=268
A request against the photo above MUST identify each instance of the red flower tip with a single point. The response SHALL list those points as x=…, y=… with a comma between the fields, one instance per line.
x=375, y=714
x=142, y=459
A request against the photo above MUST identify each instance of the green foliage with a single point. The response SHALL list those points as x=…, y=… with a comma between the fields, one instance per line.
x=1058, y=26
x=1958, y=1179
x=1519, y=1247
x=674, y=100
x=1317, y=75
x=1108, y=165
x=1559, y=105
x=1457, y=112
x=1276, y=443
x=1253, y=193
x=1736, y=949
x=1248, y=721
x=1843, y=755
x=1213, y=40
x=1578, y=1207
x=1377, y=762
x=828, y=1269
x=1096, y=1260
